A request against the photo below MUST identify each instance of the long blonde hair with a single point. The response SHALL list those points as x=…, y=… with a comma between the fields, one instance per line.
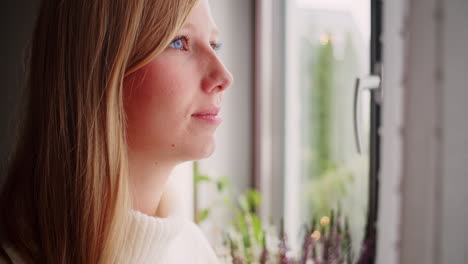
x=66, y=198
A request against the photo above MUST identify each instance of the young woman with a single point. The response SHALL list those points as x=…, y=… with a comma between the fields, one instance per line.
x=119, y=92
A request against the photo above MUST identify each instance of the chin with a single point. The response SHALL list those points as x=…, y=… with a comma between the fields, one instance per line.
x=207, y=150
x=199, y=151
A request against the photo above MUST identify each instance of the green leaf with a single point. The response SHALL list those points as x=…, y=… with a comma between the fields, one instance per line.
x=257, y=228
x=246, y=239
x=254, y=199
x=201, y=178
x=202, y=215
x=222, y=183
x=241, y=224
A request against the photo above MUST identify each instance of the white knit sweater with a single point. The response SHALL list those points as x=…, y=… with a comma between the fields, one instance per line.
x=160, y=240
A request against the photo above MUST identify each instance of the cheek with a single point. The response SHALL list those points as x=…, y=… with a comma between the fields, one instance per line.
x=150, y=88
x=145, y=101
x=158, y=98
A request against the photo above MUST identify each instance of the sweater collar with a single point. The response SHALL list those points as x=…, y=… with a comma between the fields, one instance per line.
x=149, y=237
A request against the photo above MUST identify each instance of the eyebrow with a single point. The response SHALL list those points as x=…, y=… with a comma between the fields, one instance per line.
x=214, y=31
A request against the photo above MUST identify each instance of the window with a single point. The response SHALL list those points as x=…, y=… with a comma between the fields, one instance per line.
x=320, y=48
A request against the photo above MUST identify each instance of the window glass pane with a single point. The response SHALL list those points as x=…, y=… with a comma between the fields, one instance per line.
x=327, y=47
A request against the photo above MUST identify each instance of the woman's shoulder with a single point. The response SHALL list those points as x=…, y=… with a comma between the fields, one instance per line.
x=191, y=246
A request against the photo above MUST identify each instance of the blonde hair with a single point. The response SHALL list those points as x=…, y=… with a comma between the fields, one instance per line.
x=66, y=198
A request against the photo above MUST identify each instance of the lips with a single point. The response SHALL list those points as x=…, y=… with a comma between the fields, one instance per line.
x=209, y=115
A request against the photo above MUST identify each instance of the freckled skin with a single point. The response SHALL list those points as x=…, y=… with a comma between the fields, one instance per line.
x=161, y=97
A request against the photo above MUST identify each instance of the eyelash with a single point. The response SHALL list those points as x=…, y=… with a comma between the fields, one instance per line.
x=215, y=45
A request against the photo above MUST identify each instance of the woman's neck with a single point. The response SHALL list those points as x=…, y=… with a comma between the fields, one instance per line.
x=148, y=179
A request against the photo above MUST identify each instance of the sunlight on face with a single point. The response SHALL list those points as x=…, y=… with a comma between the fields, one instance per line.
x=172, y=103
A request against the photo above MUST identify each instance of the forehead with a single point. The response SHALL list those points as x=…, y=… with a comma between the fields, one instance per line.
x=200, y=19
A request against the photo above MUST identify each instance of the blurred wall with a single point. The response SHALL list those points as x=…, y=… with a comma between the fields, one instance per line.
x=423, y=202
x=16, y=24
x=453, y=213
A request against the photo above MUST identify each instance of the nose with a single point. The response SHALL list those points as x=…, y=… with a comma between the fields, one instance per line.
x=218, y=77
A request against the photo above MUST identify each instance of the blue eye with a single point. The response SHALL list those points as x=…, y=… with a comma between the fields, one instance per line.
x=178, y=43
x=216, y=46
